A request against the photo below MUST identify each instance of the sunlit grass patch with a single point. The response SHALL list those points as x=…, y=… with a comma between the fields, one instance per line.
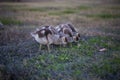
x=104, y=16
x=10, y=21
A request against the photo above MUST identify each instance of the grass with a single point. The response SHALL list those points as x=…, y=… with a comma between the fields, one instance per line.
x=108, y=68
x=46, y=9
x=36, y=9
x=63, y=63
x=83, y=7
x=104, y=16
x=114, y=7
x=63, y=12
x=21, y=60
x=10, y=21
x=69, y=10
x=9, y=7
x=72, y=61
x=43, y=9
x=26, y=8
x=110, y=30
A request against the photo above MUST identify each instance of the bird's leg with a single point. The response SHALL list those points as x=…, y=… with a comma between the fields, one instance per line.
x=52, y=46
x=40, y=47
x=48, y=43
x=78, y=45
x=60, y=46
x=70, y=44
x=48, y=47
x=64, y=45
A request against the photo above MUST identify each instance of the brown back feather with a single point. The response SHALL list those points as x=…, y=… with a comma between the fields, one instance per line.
x=66, y=31
x=72, y=28
x=40, y=34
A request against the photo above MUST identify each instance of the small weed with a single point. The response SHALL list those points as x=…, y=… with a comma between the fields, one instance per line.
x=55, y=13
x=41, y=9
x=77, y=72
x=56, y=67
x=69, y=11
x=83, y=7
